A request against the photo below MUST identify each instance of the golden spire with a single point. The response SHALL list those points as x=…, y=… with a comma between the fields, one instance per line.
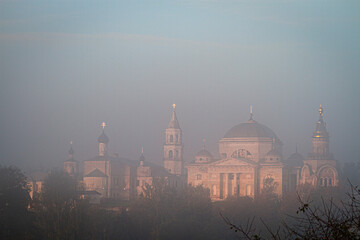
x=142, y=150
x=174, y=105
x=251, y=112
x=321, y=111
x=70, y=142
x=103, y=125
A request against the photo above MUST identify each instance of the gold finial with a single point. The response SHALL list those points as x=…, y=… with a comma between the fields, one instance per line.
x=251, y=112
x=70, y=142
x=203, y=143
x=103, y=125
x=142, y=150
x=174, y=105
x=321, y=111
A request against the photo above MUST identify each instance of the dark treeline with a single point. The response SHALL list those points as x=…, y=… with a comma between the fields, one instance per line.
x=160, y=213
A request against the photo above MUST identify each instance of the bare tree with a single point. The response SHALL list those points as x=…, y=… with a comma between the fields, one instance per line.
x=324, y=219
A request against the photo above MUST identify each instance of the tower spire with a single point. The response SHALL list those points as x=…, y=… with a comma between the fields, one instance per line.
x=173, y=121
x=103, y=125
x=321, y=136
x=203, y=143
x=251, y=112
x=321, y=113
x=173, y=148
x=142, y=157
x=103, y=141
x=70, y=165
x=71, y=151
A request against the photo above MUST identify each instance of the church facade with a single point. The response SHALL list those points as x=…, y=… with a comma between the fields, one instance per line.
x=250, y=159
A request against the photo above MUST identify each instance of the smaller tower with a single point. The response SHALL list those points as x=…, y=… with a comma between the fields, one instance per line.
x=142, y=158
x=203, y=156
x=320, y=138
x=70, y=165
x=103, y=141
x=320, y=167
x=173, y=148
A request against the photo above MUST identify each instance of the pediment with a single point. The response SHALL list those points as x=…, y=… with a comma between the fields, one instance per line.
x=234, y=162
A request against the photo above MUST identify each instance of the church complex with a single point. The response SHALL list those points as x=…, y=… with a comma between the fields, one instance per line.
x=250, y=156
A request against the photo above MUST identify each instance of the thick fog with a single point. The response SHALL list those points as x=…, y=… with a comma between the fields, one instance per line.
x=65, y=68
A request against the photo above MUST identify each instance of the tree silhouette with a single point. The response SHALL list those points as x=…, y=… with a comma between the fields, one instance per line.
x=16, y=221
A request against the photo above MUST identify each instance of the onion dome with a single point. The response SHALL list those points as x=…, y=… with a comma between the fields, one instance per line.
x=103, y=138
x=71, y=151
x=320, y=130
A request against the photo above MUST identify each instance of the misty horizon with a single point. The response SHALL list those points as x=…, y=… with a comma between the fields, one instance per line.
x=65, y=68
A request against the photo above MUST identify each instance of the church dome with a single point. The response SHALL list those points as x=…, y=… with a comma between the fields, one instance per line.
x=203, y=156
x=250, y=129
x=273, y=153
x=204, y=153
x=103, y=138
x=273, y=156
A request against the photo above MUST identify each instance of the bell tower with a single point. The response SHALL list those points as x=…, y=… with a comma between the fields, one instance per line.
x=320, y=138
x=173, y=148
x=320, y=168
x=70, y=165
x=103, y=142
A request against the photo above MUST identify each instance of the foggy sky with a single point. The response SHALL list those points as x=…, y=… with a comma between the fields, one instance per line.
x=65, y=67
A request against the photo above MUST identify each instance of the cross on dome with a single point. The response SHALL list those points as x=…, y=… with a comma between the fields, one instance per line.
x=251, y=112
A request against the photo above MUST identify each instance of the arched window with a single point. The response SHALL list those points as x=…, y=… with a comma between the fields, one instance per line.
x=171, y=138
x=200, y=159
x=327, y=176
x=171, y=154
x=241, y=153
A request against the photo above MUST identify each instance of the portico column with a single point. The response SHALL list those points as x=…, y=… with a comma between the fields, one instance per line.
x=226, y=186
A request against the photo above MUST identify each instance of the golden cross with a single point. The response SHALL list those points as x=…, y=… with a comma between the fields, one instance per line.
x=174, y=105
x=103, y=125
